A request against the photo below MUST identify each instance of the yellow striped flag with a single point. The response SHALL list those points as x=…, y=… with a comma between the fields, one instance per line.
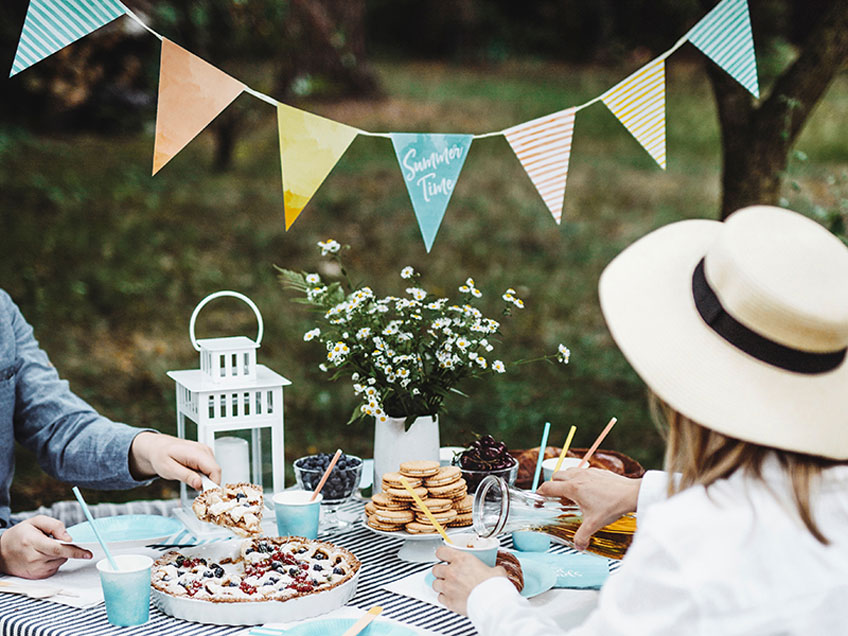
x=543, y=146
x=639, y=103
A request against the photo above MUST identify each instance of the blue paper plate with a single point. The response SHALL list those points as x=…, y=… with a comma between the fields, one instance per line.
x=538, y=576
x=338, y=626
x=126, y=529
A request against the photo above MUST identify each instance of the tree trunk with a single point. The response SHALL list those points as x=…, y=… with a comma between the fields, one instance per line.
x=757, y=138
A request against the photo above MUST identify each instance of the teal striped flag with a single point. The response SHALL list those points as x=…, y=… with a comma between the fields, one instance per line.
x=51, y=25
x=724, y=34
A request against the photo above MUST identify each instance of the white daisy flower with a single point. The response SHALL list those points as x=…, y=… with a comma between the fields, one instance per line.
x=311, y=334
x=329, y=247
x=564, y=354
x=407, y=272
x=313, y=279
x=498, y=366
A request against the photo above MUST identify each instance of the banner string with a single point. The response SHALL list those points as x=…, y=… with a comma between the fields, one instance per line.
x=273, y=102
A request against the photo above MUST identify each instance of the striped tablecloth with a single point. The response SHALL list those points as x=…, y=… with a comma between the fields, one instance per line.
x=21, y=616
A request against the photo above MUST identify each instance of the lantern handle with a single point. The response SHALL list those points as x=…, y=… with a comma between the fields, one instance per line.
x=220, y=294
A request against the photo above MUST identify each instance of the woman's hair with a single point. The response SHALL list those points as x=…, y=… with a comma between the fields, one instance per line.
x=702, y=456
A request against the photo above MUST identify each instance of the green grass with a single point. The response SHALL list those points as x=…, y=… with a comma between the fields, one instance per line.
x=107, y=263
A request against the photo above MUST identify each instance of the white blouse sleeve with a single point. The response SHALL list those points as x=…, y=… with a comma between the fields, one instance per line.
x=647, y=595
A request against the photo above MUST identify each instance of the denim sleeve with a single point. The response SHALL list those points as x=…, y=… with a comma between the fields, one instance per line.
x=70, y=439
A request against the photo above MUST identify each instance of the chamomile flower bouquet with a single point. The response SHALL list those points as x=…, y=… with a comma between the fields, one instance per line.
x=404, y=354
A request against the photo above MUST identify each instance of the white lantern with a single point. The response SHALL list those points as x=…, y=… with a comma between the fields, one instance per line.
x=231, y=392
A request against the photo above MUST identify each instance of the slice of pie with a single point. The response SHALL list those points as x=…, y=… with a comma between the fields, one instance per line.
x=234, y=506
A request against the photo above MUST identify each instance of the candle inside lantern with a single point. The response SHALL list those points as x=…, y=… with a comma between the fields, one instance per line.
x=233, y=455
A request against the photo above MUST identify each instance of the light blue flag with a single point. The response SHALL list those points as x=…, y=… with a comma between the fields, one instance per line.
x=724, y=34
x=430, y=165
x=51, y=25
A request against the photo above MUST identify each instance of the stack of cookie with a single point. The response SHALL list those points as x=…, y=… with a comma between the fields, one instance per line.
x=442, y=489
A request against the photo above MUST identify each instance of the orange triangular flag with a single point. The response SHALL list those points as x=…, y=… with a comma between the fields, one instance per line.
x=192, y=93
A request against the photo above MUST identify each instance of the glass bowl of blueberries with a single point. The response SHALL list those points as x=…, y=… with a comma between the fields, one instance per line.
x=341, y=484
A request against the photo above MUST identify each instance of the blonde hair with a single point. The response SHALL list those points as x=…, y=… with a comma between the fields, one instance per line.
x=702, y=456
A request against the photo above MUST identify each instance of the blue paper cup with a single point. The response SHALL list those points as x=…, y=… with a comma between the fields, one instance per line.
x=296, y=515
x=485, y=549
x=528, y=541
x=127, y=590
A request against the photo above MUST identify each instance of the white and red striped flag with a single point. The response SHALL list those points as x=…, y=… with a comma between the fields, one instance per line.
x=639, y=103
x=543, y=146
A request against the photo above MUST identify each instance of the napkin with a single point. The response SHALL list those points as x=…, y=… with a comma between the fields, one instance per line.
x=279, y=629
x=80, y=577
x=574, y=571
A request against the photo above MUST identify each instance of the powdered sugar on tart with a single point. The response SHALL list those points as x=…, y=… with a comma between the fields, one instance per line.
x=278, y=568
x=234, y=506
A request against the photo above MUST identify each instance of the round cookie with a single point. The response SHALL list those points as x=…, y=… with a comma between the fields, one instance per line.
x=443, y=518
x=392, y=480
x=370, y=508
x=384, y=501
x=463, y=505
x=416, y=527
x=455, y=490
x=394, y=517
x=420, y=468
x=446, y=475
x=463, y=519
x=386, y=527
x=403, y=495
x=434, y=505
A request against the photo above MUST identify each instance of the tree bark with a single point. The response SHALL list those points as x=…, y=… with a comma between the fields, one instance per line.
x=757, y=138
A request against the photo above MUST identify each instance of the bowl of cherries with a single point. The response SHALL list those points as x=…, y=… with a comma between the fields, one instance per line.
x=486, y=456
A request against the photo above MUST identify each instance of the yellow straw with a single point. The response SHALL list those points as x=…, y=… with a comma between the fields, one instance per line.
x=426, y=510
x=565, y=448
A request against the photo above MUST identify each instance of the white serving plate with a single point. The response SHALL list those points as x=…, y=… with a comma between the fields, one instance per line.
x=249, y=612
x=417, y=548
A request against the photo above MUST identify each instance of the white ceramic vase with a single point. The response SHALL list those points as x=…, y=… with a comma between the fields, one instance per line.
x=394, y=445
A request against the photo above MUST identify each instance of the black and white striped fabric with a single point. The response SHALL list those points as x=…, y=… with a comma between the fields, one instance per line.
x=20, y=616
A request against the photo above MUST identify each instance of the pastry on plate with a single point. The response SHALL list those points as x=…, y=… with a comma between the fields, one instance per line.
x=234, y=506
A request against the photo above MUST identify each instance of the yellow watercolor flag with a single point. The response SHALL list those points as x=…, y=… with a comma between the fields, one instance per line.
x=310, y=146
x=639, y=103
x=192, y=93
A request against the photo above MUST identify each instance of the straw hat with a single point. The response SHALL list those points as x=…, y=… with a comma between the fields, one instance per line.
x=769, y=367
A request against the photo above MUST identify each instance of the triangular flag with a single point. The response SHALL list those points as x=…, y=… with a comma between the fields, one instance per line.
x=51, y=25
x=430, y=165
x=310, y=146
x=543, y=146
x=192, y=93
x=639, y=103
x=724, y=35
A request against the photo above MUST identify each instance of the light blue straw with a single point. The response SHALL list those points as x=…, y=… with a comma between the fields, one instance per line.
x=88, y=516
x=541, y=456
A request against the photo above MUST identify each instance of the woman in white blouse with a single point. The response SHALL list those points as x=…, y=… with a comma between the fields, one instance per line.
x=740, y=330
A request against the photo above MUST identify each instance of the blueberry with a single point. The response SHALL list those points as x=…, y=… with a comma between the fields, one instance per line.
x=272, y=580
x=208, y=574
x=293, y=572
x=319, y=556
x=264, y=548
x=179, y=561
x=338, y=571
x=240, y=496
x=219, y=571
x=317, y=567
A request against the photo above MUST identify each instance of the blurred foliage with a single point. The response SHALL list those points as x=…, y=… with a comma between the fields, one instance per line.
x=107, y=263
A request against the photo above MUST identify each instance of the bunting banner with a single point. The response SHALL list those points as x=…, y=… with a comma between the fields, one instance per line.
x=639, y=103
x=51, y=25
x=724, y=35
x=192, y=93
x=310, y=147
x=543, y=146
x=430, y=165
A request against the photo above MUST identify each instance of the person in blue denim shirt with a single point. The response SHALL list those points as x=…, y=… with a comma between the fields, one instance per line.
x=72, y=443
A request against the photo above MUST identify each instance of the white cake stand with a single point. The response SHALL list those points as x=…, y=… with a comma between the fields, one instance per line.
x=418, y=548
